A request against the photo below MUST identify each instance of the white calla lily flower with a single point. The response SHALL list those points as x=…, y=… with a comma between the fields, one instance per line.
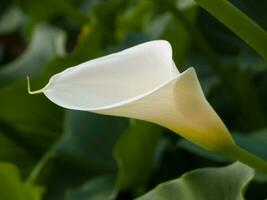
x=142, y=82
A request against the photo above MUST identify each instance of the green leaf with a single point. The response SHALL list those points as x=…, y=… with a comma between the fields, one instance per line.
x=46, y=43
x=15, y=153
x=96, y=189
x=86, y=148
x=238, y=22
x=29, y=126
x=30, y=121
x=88, y=140
x=12, y=188
x=135, y=154
x=84, y=151
x=208, y=183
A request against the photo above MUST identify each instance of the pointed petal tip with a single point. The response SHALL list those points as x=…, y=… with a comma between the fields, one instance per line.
x=29, y=87
x=190, y=73
x=191, y=70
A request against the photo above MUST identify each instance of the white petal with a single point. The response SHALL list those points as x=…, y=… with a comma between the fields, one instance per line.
x=180, y=106
x=142, y=82
x=113, y=79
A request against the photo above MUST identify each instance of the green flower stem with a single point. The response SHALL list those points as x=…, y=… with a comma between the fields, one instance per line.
x=37, y=170
x=238, y=22
x=240, y=154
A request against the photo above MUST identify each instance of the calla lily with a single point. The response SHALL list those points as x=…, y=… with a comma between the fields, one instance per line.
x=142, y=82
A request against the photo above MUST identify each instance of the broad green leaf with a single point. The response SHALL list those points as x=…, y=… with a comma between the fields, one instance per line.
x=88, y=140
x=208, y=184
x=84, y=151
x=31, y=121
x=14, y=152
x=135, y=154
x=96, y=189
x=60, y=176
x=12, y=187
x=46, y=43
x=28, y=126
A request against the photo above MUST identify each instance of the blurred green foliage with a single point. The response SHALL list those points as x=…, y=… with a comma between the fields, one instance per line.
x=205, y=183
x=78, y=155
x=13, y=188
